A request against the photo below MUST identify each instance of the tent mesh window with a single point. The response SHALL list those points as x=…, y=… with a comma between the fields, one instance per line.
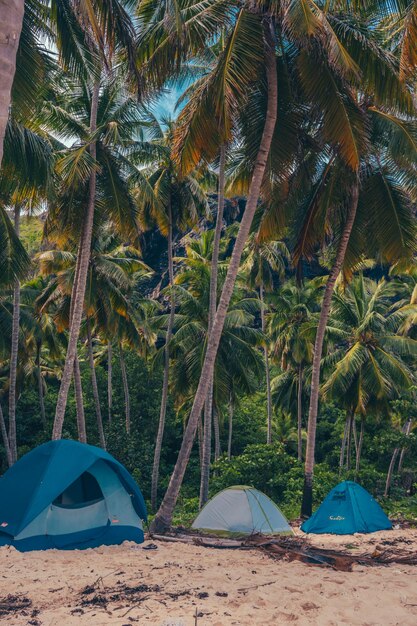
x=84, y=491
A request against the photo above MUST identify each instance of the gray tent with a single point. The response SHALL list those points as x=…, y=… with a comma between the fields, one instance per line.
x=241, y=510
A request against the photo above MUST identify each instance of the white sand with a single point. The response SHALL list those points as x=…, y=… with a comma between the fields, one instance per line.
x=260, y=591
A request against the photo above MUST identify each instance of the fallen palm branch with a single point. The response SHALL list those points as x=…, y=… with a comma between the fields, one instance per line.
x=299, y=549
x=206, y=541
x=14, y=603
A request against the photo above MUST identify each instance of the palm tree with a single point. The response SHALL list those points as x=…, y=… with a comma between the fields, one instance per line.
x=81, y=32
x=177, y=203
x=13, y=353
x=400, y=22
x=163, y=517
x=109, y=281
x=289, y=333
x=382, y=177
x=109, y=379
x=305, y=27
x=14, y=260
x=368, y=363
x=44, y=343
x=25, y=181
x=237, y=366
x=94, y=385
x=11, y=20
x=262, y=262
x=285, y=432
x=203, y=255
x=119, y=122
x=214, y=272
x=108, y=29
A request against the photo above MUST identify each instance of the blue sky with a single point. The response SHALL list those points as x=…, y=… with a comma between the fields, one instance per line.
x=166, y=103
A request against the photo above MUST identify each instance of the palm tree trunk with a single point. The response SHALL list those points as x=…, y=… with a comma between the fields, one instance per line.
x=359, y=450
x=393, y=461
x=78, y=306
x=109, y=379
x=95, y=386
x=208, y=410
x=165, y=382
x=349, y=441
x=229, y=439
x=40, y=385
x=267, y=373
x=407, y=432
x=200, y=435
x=79, y=402
x=78, y=388
x=391, y=471
x=163, y=518
x=307, y=503
x=343, y=445
x=11, y=19
x=300, y=413
x=5, y=438
x=355, y=436
x=125, y=388
x=216, y=424
x=14, y=353
x=206, y=460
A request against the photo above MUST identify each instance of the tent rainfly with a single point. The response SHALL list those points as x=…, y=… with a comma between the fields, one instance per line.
x=346, y=510
x=67, y=495
x=241, y=510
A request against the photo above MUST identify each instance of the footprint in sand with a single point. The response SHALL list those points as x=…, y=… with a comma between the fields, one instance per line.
x=309, y=606
x=282, y=617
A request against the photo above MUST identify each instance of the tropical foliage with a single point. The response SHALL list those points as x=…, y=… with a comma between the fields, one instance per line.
x=244, y=265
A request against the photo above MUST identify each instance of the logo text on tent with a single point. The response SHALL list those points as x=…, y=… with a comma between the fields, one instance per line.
x=336, y=518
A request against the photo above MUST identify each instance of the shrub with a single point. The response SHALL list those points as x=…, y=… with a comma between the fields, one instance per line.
x=262, y=466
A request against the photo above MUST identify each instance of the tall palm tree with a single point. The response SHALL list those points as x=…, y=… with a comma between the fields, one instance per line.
x=214, y=272
x=25, y=181
x=82, y=32
x=237, y=363
x=13, y=352
x=367, y=365
x=289, y=333
x=108, y=29
x=109, y=281
x=164, y=514
x=109, y=379
x=305, y=27
x=109, y=189
x=177, y=203
x=405, y=430
x=263, y=261
x=11, y=20
x=379, y=201
x=44, y=343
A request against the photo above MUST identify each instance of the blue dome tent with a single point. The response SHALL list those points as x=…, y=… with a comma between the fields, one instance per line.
x=347, y=509
x=68, y=495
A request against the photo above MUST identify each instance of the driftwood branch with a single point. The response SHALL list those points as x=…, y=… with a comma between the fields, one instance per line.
x=298, y=549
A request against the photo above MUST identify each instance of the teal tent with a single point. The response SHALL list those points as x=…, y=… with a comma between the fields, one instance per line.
x=241, y=510
x=67, y=495
x=347, y=509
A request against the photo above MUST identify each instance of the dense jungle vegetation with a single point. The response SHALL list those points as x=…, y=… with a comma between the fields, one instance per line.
x=226, y=294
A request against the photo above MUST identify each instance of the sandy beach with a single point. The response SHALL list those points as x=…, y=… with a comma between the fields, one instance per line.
x=183, y=585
